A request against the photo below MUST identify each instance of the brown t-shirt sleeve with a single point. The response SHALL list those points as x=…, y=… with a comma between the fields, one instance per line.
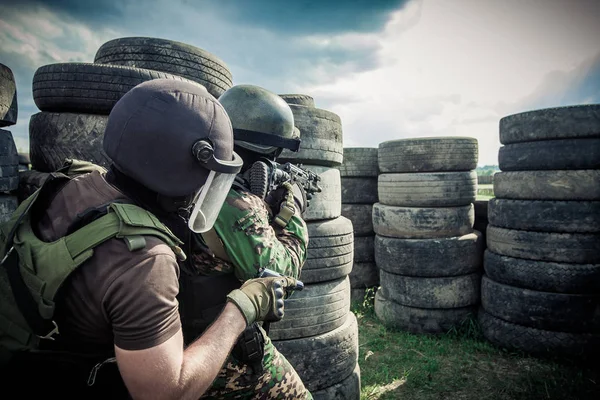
x=141, y=303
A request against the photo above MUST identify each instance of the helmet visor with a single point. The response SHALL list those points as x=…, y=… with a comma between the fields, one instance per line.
x=209, y=201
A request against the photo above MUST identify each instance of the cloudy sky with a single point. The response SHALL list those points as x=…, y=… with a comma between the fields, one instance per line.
x=390, y=69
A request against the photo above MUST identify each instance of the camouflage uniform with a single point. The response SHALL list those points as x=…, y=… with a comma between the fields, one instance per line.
x=252, y=243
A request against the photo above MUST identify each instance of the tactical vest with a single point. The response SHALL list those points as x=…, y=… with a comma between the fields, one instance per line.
x=32, y=271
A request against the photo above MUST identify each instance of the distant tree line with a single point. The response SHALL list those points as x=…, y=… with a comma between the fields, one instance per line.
x=487, y=170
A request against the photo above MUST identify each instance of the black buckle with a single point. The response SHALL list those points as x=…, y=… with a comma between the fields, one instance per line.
x=250, y=348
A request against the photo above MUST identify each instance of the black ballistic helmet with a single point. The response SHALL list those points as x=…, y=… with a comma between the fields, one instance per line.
x=169, y=135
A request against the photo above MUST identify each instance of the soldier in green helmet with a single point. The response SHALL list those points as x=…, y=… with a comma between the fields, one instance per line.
x=246, y=240
x=89, y=274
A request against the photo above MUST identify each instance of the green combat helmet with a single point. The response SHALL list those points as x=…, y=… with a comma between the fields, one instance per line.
x=263, y=125
x=262, y=121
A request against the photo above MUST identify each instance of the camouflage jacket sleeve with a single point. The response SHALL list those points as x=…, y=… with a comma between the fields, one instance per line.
x=252, y=242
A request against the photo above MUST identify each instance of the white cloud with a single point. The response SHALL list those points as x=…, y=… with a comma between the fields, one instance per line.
x=438, y=68
x=464, y=65
x=39, y=37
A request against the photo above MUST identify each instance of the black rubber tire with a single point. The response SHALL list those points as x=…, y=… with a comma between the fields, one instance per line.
x=481, y=209
x=420, y=320
x=359, y=190
x=550, y=155
x=326, y=204
x=422, y=222
x=298, y=99
x=9, y=162
x=53, y=137
x=323, y=360
x=361, y=217
x=428, y=154
x=319, y=308
x=364, y=275
x=546, y=216
x=168, y=56
x=87, y=88
x=580, y=121
x=330, y=250
x=360, y=162
x=577, y=248
x=548, y=185
x=446, y=292
x=8, y=204
x=428, y=189
x=536, y=341
x=541, y=310
x=348, y=389
x=9, y=110
x=451, y=256
x=321, y=135
x=364, y=250
x=541, y=275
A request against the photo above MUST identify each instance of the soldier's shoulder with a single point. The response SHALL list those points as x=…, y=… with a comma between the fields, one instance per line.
x=242, y=201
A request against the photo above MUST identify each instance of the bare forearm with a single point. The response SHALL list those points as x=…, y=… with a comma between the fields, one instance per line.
x=203, y=359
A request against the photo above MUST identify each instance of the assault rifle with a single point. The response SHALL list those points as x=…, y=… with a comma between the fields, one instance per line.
x=266, y=175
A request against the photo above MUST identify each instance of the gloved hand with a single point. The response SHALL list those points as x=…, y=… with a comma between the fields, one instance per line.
x=275, y=197
x=261, y=299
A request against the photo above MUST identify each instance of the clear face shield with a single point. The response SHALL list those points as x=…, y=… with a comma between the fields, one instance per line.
x=209, y=199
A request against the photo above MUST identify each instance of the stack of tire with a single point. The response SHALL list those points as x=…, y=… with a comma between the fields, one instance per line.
x=359, y=192
x=319, y=333
x=9, y=158
x=428, y=255
x=76, y=98
x=541, y=291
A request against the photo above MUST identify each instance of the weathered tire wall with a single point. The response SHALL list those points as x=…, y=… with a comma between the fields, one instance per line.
x=328, y=203
x=428, y=155
x=54, y=137
x=428, y=255
x=324, y=360
x=9, y=157
x=540, y=292
x=9, y=110
x=321, y=135
x=9, y=162
x=319, y=334
x=359, y=173
x=87, y=88
x=298, y=99
x=168, y=56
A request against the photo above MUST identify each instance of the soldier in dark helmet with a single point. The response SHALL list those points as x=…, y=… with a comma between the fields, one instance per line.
x=246, y=240
x=89, y=274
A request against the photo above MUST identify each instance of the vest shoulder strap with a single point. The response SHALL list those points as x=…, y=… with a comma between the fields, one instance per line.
x=73, y=167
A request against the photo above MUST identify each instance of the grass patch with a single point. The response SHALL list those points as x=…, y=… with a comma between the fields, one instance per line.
x=459, y=365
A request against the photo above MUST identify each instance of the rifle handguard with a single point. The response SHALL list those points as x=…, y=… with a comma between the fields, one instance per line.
x=287, y=208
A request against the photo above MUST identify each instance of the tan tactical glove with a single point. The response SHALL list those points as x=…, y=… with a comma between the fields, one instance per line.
x=261, y=299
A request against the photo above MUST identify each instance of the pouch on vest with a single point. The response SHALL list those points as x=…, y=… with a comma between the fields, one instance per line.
x=32, y=271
